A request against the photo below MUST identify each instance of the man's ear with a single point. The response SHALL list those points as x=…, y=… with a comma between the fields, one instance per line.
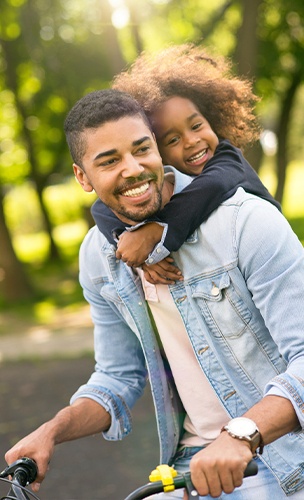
x=81, y=177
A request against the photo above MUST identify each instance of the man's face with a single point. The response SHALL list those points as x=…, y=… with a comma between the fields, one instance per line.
x=122, y=164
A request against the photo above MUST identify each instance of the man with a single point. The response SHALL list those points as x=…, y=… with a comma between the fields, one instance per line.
x=231, y=331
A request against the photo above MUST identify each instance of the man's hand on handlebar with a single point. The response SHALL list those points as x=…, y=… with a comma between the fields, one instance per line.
x=40, y=447
x=220, y=466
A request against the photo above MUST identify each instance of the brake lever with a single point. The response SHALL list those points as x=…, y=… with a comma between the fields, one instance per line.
x=192, y=493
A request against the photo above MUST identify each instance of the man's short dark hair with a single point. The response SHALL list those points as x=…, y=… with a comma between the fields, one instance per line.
x=92, y=111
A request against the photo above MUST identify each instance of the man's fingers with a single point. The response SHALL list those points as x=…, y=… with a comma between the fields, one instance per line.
x=36, y=486
x=213, y=479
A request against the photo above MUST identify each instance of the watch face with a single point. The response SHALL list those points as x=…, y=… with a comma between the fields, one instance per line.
x=242, y=426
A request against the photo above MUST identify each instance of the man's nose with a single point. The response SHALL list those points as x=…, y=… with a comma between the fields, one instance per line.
x=131, y=167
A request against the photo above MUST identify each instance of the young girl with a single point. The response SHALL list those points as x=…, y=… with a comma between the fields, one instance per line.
x=200, y=114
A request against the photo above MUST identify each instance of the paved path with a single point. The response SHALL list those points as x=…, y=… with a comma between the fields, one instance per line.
x=45, y=343
x=39, y=371
x=69, y=335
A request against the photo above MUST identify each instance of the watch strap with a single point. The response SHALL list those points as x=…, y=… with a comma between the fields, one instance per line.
x=255, y=440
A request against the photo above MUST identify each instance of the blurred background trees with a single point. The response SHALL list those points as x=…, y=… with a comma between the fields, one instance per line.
x=52, y=52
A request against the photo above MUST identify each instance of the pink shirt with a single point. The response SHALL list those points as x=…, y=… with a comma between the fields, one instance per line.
x=205, y=415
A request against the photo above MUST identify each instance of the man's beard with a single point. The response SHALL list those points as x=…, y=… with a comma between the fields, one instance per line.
x=144, y=211
x=139, y=213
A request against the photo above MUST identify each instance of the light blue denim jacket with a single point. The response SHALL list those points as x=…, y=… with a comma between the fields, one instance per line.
x=242, y=302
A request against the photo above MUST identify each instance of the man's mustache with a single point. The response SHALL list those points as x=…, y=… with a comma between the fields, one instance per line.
x=131, y=181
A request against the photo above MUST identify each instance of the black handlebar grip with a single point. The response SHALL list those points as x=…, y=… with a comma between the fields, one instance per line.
x=251, y=469
x=24, y=469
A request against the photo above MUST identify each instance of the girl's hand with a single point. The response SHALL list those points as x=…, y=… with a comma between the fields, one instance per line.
x=134, y=247
x=163, y=273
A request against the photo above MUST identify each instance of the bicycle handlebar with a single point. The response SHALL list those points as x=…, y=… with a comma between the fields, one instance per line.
x=23, y=472
x=180, y=481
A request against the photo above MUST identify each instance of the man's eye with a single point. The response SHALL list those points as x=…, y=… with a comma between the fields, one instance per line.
x=108, y=163
x=143, y=149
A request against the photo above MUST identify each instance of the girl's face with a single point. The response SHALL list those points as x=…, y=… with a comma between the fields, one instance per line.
x=184, y=137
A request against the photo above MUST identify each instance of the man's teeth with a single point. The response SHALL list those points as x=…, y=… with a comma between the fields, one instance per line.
x=197, y=157
x=137, y=191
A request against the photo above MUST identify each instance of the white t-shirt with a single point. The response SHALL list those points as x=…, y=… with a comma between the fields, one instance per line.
x=205, y=416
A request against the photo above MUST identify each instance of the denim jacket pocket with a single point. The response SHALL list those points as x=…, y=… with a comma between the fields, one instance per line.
x=107, y=290
x=221, y=306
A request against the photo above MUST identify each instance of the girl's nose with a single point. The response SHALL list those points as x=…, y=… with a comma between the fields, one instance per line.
x=191, y=140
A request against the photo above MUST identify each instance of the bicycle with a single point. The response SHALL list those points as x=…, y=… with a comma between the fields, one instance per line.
x=162, y=479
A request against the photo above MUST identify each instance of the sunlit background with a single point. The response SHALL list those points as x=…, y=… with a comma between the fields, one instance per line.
x=52, y=52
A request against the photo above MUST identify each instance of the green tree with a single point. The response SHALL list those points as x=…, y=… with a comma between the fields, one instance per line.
x=50, y=55
x=47, y=77
x=14, y=283
x=281, y=72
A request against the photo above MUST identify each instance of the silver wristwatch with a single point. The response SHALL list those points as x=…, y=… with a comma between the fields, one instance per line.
x=245, y=429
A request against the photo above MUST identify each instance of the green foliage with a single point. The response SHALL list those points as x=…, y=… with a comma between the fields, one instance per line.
x=50, y=56
x=52, y=52
x=22, y=210
x=66, y=203
x=14, y=165
x=297, y=224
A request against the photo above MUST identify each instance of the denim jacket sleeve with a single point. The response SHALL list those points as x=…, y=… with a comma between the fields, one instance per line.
x=120, y=372
x=271, y=259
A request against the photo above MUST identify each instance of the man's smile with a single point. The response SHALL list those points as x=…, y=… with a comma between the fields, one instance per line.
x=137, y=191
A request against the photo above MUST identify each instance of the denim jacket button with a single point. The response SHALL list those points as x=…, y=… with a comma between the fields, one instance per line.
x=215, y=291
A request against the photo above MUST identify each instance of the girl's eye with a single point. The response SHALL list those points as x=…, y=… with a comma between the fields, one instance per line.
x=197, y=125
x=173, y=140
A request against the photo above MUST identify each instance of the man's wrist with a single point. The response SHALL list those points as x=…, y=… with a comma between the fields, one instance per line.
x=245, y=429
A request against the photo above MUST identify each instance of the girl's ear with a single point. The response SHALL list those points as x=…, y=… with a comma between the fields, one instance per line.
x=82, y=178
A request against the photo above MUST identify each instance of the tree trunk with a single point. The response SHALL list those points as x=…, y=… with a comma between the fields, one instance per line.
x=282, y=133
x=114, y=54
x=135, y=23
x=247, y=46
x=11, y=81
x=14, y=284
x=245, y=56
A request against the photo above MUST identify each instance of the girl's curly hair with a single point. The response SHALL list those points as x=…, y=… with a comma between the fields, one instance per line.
x=188, y=71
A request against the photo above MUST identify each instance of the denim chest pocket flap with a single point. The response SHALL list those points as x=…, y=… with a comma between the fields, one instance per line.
x=222, y=308
x=211, y=288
